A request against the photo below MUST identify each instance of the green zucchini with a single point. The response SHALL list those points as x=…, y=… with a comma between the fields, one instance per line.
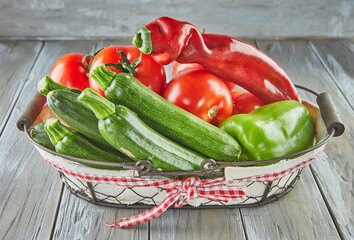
x=165, y=117
x=39, y=134
x=75, y=114
x=126, y=132
x=46, y=84
x=73, y=143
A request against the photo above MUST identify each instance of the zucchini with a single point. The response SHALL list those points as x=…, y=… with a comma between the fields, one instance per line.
x=39, y=134
x=165, y=117
x=73, y=143
x=126, y=132
x=46, y=84
x=75, y=114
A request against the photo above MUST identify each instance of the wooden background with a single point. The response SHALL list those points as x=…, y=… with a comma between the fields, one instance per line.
x=65, y=19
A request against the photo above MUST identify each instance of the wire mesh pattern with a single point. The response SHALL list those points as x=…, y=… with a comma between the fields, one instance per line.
x=258, y=193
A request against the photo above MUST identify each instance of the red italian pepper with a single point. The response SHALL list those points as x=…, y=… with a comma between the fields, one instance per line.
x=168, y=40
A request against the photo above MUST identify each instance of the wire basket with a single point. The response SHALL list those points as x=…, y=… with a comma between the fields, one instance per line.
x=258, y=192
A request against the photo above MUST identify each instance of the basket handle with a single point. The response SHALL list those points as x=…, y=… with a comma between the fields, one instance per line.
x=32, y=110
x=330, y=114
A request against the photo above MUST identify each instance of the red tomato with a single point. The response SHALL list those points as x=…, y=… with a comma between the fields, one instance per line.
x=244, y=102
x=70, y=71
x=202, y=94
x=148, y=71
x=179, y=67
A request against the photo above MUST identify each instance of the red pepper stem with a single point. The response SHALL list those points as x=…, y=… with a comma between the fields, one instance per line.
x=142, y=40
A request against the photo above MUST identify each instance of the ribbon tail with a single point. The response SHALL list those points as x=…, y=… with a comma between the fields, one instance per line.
x=147, y=215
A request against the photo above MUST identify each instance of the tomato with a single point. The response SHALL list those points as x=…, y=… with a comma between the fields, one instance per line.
x=69, y=71
x=200, y=93
x=179, y=67
x=148, y=71
x=244, y=102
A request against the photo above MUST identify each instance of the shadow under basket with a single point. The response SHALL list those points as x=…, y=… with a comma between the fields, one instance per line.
x=99, y=186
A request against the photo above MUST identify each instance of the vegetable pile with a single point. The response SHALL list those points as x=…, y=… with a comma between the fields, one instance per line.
x=226, y=100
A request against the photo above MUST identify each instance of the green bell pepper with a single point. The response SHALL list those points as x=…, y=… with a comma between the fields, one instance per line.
x=274, y=130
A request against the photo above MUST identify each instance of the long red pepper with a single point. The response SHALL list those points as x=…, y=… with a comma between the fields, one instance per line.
x=168, y=40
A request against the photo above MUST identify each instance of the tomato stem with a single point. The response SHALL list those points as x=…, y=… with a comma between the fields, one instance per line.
x=213, y=111
x=124, y=65
x=87, y=66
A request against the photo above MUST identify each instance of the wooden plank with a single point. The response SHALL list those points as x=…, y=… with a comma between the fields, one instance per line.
x=17, y=58
x=338, y=58
x=79, y=219
x=301, y=214
x=30, y=187
x=198, y=224
x=334, y=174
x=254, y=19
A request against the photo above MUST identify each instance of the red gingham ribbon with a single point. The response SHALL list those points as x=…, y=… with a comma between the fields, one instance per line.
x=178, y=192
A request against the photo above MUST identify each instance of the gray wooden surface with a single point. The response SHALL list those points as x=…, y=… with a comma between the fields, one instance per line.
x=58, y=19
x=35, y=205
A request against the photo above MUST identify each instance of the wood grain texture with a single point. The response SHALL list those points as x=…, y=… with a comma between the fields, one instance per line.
x=335, y=174
x=301, y=214
x=17, y=59
x=30, y=187
x=79, y=219
x=198, y=224
x=338, y=59
x=115, y=19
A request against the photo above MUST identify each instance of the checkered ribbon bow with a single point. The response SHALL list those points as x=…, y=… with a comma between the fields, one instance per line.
x=179, y=192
